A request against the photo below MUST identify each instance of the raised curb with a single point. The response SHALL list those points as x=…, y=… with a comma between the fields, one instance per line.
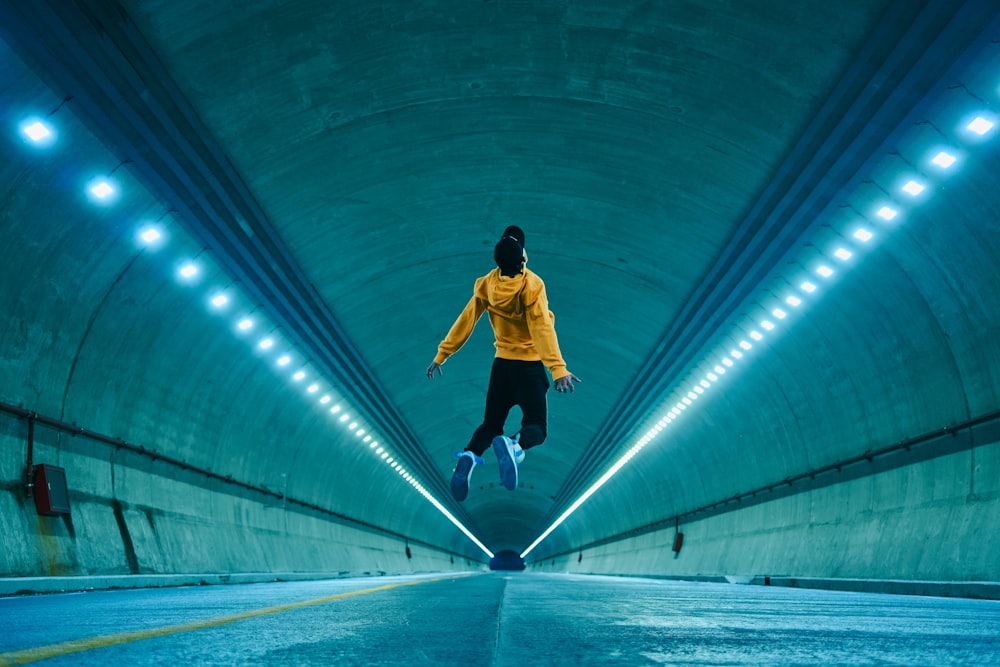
x=37, y=585
x=983, y=590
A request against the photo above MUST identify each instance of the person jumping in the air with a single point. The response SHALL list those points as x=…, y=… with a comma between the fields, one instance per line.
x=526, y=343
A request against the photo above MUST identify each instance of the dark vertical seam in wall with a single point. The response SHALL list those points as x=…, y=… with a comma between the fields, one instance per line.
x=86, y=334
x=133, y=562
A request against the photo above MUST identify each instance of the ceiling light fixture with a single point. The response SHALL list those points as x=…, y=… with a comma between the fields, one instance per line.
x=980, y=125
x=37, y=131
x=102, y=190
x=150, y=235
x=887, y=213
x=944, y=160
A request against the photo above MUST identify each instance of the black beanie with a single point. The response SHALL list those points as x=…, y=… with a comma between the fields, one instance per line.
x=508, y=254
x=516, y=232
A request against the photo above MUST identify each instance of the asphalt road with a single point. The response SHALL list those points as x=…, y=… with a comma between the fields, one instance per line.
x=496, y=619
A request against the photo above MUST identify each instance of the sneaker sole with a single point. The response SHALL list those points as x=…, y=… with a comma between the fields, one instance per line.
x=460, y=480
x=505, y=459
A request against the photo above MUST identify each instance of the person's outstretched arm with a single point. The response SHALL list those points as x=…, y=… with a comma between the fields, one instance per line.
x=542, y=325
x=458, y=334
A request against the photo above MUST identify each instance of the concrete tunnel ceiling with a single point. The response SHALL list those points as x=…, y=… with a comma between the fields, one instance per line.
x=680, y=168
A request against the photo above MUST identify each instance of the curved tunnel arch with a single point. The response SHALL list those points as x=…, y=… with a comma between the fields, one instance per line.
x=631, y=175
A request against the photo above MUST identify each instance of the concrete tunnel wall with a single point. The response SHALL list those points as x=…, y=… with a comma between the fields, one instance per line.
x=97, y=332
x=906, y=349
x=918, y=523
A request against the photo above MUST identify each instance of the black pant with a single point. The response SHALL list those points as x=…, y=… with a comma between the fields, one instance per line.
x=520, y=383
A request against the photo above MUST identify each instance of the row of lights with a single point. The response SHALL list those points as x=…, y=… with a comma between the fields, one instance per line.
x=103, y=190
x=793, y=298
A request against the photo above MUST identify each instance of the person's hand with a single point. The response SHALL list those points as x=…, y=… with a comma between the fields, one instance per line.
x=565, y=384
x=435, y=366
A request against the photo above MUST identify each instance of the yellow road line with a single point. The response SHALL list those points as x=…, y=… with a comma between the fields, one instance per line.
x=77, y=645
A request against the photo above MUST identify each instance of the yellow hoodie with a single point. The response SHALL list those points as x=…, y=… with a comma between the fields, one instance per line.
x=519, y=313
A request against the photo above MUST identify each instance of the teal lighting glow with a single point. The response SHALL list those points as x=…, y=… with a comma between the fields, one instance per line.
x=245, y=324
x=188, y=271
x=284, y=360
x=335, y=409
x=266, y=344
x=863, y=235
x=220, y=300
x=913, y=188
x=808, y=287
x=299, y=375
x=793, y=301
x=843, y=254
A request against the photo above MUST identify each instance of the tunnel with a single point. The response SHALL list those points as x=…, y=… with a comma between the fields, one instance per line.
x=236, y=234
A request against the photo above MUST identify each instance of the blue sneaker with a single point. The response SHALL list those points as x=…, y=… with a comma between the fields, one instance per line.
x=461, y=476
x=503, y=447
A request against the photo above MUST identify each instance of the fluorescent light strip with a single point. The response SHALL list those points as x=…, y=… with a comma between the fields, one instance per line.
x=581, y=500
x=150, y=235
x=37, y=131
x=887, y=213
x=980, y=126
x=103, y=190
x=942, y=159
x=448, y=515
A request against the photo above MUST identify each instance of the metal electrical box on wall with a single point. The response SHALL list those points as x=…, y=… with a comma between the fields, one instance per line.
x=51, y=496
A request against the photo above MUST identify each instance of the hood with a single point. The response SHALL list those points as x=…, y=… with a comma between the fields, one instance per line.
x=504, y=293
